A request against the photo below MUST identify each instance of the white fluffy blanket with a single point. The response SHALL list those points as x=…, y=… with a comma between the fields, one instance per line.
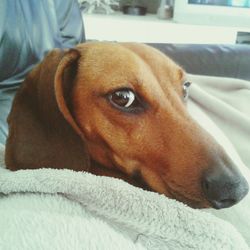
x=62, y=209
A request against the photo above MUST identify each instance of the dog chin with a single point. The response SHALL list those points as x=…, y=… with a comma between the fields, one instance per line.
x=191, y=202
x=171, y=194
x=197, y=205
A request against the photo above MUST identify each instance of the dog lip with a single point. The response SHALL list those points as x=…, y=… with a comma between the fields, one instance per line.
x=194, y=203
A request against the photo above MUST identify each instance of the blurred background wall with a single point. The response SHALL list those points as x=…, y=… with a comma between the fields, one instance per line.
x=152, y=5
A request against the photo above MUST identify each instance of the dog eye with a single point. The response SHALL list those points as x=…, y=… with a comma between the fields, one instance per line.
x=186, y=85
x=125, y=100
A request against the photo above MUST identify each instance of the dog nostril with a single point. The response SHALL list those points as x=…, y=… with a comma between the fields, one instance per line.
x=223, y=203
x=227, y=201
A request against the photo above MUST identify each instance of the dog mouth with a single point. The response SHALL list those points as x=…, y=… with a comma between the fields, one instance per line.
x=187, y=199
x=172, y=189
x=171, y=192
x=197, y=204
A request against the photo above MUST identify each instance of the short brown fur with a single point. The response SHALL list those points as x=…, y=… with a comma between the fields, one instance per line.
x=61, y=118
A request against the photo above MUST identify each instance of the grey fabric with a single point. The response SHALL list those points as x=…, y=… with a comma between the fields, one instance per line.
x=28, y=30
x=212, y=60
x=5, y=104
x=226, y=102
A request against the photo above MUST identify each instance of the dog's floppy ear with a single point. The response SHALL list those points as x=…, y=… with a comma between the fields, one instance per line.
x=42, y=131
x=63, y=88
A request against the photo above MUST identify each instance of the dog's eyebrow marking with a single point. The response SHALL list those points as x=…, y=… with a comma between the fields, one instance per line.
x=143, y=61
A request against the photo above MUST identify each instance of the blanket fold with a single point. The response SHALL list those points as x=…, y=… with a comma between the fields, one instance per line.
x=148, y=218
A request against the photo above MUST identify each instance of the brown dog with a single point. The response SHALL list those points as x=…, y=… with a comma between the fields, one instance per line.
x=119, y=110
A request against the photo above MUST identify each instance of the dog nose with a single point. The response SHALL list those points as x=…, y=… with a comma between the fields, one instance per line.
x=224, y=190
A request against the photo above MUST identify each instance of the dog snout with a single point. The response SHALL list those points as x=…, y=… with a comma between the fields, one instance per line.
x=224, y=190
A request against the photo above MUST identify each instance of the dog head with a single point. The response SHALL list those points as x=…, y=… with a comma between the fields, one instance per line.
x=120, y=110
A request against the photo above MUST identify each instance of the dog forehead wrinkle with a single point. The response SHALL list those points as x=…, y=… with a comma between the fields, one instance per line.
x=105, y=55
x=101, y=56
x=106, y=73
x=155, y=59
x=137, y=76
x=169, y=75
